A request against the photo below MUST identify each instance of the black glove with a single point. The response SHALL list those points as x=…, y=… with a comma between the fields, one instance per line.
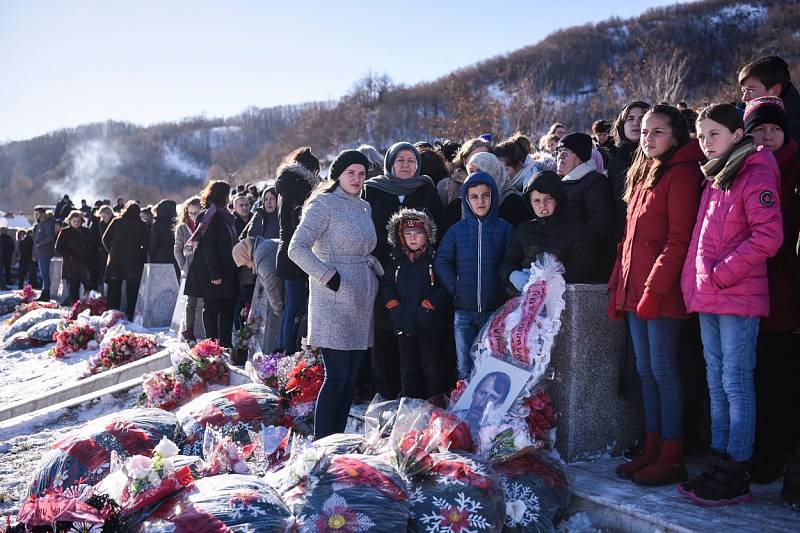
x=333, y=283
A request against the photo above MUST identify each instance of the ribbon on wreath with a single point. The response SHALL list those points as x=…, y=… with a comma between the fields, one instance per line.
x=529, y=308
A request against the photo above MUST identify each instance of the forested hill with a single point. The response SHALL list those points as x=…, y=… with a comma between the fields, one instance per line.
x=685, y=52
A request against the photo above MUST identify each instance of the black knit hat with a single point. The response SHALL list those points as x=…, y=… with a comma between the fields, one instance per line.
x=764, y=110
x=547, y=182
x=579, y=143
x=344, y=160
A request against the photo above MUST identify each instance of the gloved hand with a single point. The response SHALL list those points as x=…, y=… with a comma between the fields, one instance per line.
x=333, y=283
x=519, y=278
x=648, y=306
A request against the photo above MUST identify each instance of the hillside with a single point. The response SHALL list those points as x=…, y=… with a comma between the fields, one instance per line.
x=687, y=52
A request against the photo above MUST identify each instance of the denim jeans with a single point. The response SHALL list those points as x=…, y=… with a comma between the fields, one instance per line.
x=44, y=271
x=466, y=325
x=729, y=346
x=656, y=345
x=336, y=394
x=295, y=300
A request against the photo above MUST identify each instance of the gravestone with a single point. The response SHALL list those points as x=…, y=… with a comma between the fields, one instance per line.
x=58, y=287
x=591, y=417
x=178, y=314
x=267, y=322
x=158, y=292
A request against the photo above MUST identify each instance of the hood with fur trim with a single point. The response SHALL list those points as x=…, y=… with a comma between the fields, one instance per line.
x=288, y=174
x=393, y=226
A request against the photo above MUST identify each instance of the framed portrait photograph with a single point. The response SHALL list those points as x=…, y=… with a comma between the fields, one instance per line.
x=490, y=393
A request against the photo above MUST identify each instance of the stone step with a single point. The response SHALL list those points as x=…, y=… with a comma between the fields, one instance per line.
x=90, y=386
x=616, y=504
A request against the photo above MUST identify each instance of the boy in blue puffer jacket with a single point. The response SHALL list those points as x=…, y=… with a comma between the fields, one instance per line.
x=468, y=263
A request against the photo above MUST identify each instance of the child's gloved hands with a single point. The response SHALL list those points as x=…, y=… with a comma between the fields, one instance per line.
x=519, y=278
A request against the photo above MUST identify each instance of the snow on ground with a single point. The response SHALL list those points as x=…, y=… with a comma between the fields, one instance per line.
x=28, y=373
x=23, y=440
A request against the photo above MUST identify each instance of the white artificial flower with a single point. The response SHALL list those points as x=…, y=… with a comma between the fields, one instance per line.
x=153, y=478
x=166, y=448
x=138, y=467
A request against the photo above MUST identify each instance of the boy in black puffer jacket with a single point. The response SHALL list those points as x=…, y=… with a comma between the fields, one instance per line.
x=414, y=297
x=554, y=229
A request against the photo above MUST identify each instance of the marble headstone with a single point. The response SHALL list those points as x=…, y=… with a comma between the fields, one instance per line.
x=178, y=316
x=58, y=287
x=591, y=417
x=157, y=295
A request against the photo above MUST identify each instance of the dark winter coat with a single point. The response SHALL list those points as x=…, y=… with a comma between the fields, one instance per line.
x=617, y=169
x=262, y=224
x=25, y=250
x=294, y=184
x=384, y=205
x=6, y=246
x=589, y=198
x=513, y=210
x=213, y=259
x=560, y=234
x=44, y=236
x=240, y=224
x=410, y=283
x=127, y=241
x=162, y=242
x=791, y=102
x=657, y=236
x=469, y=256
x=784, y=314
x=72, y=245
x=97, y=252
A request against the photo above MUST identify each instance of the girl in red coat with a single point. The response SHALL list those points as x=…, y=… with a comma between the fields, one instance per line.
x=725, y=280
x=662, y=192
x=776, y=351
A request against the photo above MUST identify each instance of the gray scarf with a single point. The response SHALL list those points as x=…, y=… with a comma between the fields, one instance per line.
x=397, y=186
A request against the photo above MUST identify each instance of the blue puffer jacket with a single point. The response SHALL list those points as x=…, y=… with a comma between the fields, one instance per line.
x=469, y=256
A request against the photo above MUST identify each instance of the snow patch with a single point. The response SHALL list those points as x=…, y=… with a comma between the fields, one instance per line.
x=741, y=13
x=577, y=523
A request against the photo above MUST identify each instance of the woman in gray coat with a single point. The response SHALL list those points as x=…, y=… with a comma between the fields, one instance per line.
x=333, y=245
x=184, y=251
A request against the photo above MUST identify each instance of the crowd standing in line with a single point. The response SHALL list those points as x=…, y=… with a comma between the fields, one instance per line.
x=690, y=218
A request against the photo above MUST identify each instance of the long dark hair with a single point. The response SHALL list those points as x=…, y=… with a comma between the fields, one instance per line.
x=515, y=149
x=215, y=192
x=725, y=114
x=618, y=130
x=643, y=168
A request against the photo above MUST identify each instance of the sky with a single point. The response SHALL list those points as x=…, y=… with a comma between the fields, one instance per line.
x=66, y=63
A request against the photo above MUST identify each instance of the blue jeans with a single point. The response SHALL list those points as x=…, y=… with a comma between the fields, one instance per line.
x=729, y=346
x=656, y=345
x=336, y=394
x=295, y=300
x=44, y=271
x=466, y=325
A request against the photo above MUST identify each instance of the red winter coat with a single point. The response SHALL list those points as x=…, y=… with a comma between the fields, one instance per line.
x=736, y=232
x=782, y=269
x=658, y=229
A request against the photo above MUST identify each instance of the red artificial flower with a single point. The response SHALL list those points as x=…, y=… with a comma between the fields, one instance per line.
x=455, y=519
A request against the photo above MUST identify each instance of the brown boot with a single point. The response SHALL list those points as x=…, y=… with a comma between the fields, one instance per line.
x=652, y=444
x=668, y=469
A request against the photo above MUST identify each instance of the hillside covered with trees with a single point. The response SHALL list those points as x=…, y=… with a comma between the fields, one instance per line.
x=688, y=52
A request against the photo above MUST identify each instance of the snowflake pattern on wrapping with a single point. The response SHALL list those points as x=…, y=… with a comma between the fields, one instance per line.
x=461, y=516
x=517, y=492
x=242, y=501
x=85, y=527
x=336, y=516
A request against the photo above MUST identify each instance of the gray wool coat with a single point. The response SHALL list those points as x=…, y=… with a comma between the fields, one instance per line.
x=336, y=233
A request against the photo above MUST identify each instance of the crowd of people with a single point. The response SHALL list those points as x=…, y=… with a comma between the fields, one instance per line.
x=689, y=217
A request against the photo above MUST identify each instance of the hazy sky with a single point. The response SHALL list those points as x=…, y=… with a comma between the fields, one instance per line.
x=66, y=63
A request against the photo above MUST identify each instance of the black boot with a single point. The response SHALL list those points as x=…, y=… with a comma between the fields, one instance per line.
x=791, y=482
x=723, y=482
x=44, y=297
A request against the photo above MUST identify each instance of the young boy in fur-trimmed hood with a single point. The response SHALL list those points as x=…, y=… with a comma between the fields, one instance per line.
x=411, y=291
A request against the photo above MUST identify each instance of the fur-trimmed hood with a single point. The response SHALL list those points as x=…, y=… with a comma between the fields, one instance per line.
x=288, y=174
x=393, y=226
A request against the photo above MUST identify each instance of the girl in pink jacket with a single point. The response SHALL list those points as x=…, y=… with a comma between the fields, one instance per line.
x=724, y=279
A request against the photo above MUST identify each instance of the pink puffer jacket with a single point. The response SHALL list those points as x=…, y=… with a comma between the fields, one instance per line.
x=725, y=271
